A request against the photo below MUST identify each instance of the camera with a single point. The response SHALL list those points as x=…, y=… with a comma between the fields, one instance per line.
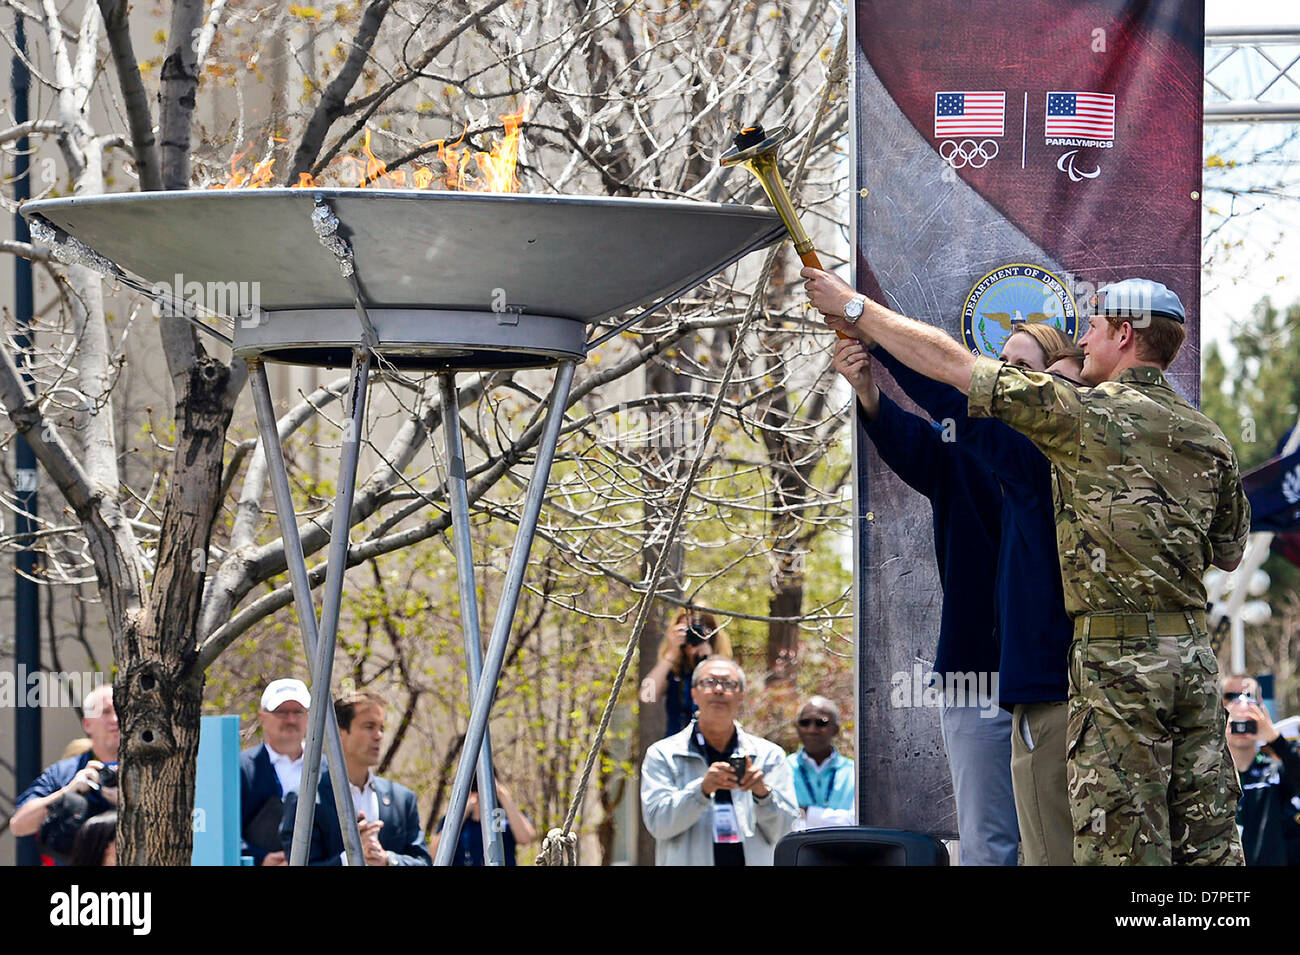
x=739, y=763
x=108, y=777
x=696, y=634
x=1243, y=727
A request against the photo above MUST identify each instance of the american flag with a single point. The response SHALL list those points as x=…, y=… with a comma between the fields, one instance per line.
x=970, y=114
x=1091, y=115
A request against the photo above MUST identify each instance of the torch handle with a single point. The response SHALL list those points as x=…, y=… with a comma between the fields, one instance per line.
x=810, y=259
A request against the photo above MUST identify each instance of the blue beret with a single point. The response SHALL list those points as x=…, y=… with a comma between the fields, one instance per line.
x=1134, y=298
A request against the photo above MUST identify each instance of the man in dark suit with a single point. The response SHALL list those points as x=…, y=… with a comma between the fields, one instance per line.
x=272, y=770
x=386, y=811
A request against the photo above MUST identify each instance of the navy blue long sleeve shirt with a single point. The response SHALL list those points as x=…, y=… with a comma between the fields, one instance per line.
x=964, y=505
x=1034, y=630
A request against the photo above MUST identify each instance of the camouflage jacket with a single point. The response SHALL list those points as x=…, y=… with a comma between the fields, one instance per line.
x=1148, y=493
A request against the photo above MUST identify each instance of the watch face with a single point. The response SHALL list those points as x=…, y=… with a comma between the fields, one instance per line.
x=854, y=308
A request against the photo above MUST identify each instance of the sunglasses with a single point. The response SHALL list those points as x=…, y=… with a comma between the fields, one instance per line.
x=1244, y=697
x=810, y=721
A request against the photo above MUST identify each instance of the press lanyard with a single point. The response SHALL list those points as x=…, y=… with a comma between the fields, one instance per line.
x=825, y=801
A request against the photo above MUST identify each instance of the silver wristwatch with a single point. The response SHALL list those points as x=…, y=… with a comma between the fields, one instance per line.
x=853, y=307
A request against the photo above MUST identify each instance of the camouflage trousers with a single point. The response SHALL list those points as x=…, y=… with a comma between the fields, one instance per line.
x=1149, y=775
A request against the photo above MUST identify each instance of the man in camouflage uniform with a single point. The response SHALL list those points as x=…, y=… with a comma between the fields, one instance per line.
x=1148, y=494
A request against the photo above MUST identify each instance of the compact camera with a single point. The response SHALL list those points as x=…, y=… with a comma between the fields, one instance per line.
x=696, y=634
x=739, y=763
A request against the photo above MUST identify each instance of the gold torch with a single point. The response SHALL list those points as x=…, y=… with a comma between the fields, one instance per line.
x=755, y=149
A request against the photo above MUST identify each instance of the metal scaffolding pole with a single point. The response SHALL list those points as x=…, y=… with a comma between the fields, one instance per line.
x=493, y=847
x=293, y=557
x=514, y=582
x=323, y=663
x=1241, y=98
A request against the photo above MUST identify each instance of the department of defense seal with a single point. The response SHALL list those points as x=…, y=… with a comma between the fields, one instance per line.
x=1014, y=295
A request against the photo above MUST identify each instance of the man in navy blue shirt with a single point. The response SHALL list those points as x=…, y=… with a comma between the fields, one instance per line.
x=1033, y=628
x=76, y=775
x=965, y=504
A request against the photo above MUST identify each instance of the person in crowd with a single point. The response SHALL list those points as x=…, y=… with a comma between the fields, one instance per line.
x=78, y=787
x=271, y=770
x=1270, y=786
x=96, y=842
x=514, y=826
x=824, y=781
x=387, y=812
x=693, y=635
x=76, y=746
x=712, y=794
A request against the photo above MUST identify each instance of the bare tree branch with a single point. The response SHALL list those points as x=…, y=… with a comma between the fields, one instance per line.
x=335, y=96
x=135, y=98
x=179, y=82
x=26, y=250
x=29, y=127
x=309, y=148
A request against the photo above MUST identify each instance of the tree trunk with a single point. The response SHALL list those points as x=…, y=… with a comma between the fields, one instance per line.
x=160, y=692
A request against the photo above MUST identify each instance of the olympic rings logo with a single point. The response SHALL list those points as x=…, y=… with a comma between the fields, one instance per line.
x=968, y=152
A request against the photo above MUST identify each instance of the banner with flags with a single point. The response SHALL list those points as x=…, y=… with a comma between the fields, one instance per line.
x=1011, y=157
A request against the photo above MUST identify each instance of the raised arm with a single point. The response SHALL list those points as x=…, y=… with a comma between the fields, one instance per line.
x=909, y=445
x=916, y=344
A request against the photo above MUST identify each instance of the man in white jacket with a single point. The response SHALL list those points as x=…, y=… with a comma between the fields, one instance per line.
x=712, y=794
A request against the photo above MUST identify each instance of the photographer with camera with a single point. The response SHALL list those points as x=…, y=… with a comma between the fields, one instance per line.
x=1269, y=788
x=693, y=636
x=712, y=794
x=73, y=790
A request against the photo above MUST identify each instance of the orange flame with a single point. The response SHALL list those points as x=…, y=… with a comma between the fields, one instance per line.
x=454, y=161
x=375, y=169
x=262, y=174
x=496, y=168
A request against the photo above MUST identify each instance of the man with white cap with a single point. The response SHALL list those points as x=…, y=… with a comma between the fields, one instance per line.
x=271, y=771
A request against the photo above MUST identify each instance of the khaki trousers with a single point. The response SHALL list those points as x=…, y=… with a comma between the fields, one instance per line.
x=1038, y=778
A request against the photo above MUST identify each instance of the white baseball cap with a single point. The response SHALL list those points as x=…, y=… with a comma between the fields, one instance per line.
x=280, y=691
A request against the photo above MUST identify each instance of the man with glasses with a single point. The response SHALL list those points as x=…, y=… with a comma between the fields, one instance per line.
x=272, y=770
x=823, y=778
x=713, y=794
x=1148, y=495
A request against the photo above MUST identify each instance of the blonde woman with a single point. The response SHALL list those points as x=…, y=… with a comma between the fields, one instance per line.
x=692, y=636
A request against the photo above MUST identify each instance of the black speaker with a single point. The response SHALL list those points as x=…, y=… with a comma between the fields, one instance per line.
x=859, y=846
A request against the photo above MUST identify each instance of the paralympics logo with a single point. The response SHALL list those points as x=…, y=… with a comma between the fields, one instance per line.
x=968, y=152
x=1010, y=296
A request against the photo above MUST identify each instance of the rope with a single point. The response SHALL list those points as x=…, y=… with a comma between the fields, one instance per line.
x=560, y=845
